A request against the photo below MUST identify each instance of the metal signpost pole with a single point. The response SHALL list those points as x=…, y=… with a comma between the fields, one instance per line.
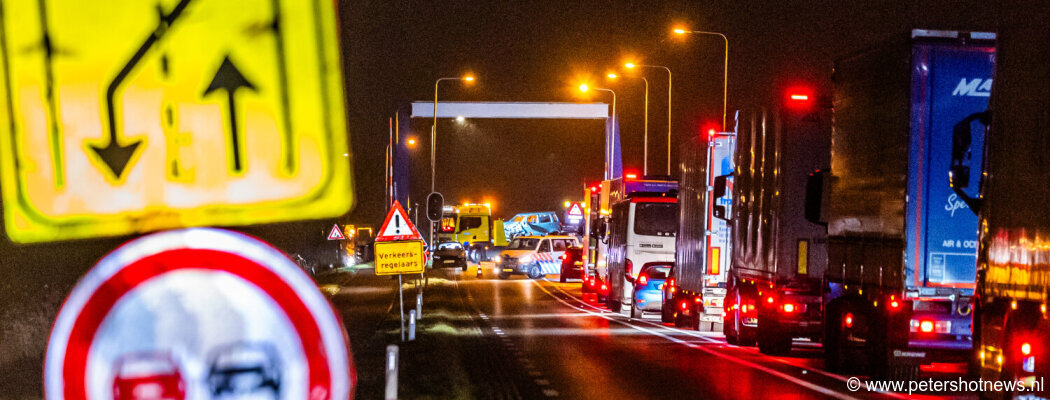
x=401, y=300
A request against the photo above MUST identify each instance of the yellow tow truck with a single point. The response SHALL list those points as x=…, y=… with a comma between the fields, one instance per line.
x=472, y=226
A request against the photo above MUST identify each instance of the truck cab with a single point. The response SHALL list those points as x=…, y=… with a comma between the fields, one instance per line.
x=472, y=226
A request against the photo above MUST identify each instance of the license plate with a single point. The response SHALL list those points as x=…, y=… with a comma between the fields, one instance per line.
x=449, y=261
x=508, y=270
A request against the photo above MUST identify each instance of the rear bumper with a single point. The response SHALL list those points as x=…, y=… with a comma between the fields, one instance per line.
x=802, y=327
x=944, y=350
x=448, y=262
x=572, y=271
x=649, y=300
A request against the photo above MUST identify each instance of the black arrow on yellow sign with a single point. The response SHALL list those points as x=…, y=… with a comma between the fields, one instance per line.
x=115, y=155
x=229, y=78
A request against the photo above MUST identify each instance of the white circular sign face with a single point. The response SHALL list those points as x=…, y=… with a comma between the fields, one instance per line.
x=197, y=314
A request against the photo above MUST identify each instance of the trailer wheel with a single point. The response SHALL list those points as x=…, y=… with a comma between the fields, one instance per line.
x=771, y=340
x=731, y=336
x=832, y=340
x=680, y=321
x=666, y=315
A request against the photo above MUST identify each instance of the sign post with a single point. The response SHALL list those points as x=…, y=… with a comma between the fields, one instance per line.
x=399, y=250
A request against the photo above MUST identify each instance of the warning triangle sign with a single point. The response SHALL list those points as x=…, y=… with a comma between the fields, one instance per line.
x=397, y=226
x=336, y=234
x=575, y=209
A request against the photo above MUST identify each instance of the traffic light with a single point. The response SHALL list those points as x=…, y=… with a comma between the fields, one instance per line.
x=435, y=205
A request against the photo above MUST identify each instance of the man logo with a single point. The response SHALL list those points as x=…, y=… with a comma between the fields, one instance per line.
x=975, y=87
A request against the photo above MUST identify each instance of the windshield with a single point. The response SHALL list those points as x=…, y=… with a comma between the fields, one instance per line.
x=656, y=219
x=658, y=272
x=466, y=223
x=523, y=244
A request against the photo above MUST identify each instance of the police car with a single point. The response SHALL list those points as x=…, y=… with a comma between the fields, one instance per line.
x=535, y=256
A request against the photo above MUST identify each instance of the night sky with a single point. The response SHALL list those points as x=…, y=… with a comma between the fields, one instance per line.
x=537, y=51
x=527, y=50
x=540, y=51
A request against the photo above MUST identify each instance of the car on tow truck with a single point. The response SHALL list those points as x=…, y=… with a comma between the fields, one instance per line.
x=535, y=256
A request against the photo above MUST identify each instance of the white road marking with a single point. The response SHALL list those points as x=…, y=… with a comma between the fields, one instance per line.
x=701, y=335
x=789, y=378
x=550, y=392
x=542, y=382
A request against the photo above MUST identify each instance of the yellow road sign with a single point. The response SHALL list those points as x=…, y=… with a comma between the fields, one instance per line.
x=124, y=116
x=401, y=257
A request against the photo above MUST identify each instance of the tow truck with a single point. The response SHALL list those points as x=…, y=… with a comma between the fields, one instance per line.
x=472, y=226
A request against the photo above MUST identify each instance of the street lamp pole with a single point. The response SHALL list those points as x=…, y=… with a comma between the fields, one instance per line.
x=725, y=68
x=433, y=128
x=669, y=91
x=645, y=124
x=609, y=146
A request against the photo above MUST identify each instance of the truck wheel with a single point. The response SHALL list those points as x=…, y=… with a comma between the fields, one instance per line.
x=534, y=272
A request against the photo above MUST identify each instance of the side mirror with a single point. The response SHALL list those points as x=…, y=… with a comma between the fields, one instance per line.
x=959, y=171
x=719, y=191
x=817, y=190
x=603, y=232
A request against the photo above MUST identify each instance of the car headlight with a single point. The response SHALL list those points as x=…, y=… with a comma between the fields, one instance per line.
x=498, y=259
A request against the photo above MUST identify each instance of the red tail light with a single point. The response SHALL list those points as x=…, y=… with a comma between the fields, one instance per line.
x=789, y=308
x=642, y=279
x=670, y=282
x=604, y=288
x=684, y=305
x=1026, y=348
x=926, y=326
x=630, y=267
x=895, y=304
x=847, y=320
x=769, y=299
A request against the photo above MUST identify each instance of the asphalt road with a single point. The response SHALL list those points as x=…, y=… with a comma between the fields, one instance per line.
x=522, y=338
